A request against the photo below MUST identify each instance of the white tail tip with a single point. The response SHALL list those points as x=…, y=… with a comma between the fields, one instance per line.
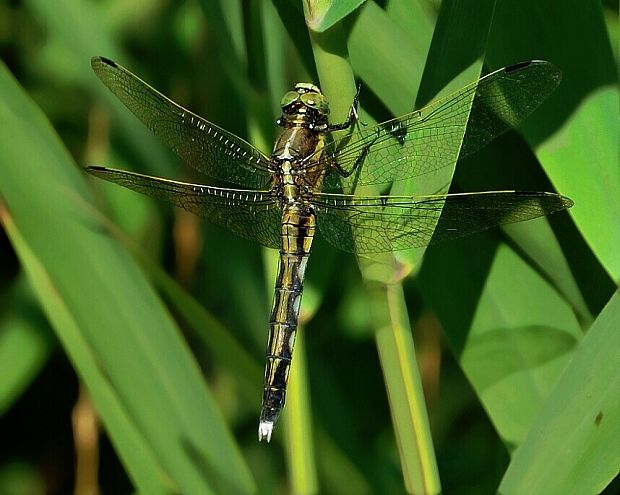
x=264, y=431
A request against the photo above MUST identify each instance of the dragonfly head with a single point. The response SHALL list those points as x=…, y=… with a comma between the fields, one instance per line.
x=305, y=105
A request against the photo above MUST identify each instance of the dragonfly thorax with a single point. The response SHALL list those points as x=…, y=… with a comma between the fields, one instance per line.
x=298, y=148
x=293, y=162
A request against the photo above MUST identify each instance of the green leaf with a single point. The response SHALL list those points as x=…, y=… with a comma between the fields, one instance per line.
x=389, y=60
x=517, y=345
x=574, y=444
x=582, y=158
x=144, y=382
x=512, y=331
x=323, y=14
x=575, y=134
x=536, y=240
x=226, y=349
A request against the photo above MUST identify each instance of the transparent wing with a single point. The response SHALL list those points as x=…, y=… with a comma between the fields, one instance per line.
x=427, y=140
x=201, y=144
x=252, y=215
x=377, y=224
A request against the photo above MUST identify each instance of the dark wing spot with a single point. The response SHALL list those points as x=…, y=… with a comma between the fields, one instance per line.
x=599, y=418
x=519, y=66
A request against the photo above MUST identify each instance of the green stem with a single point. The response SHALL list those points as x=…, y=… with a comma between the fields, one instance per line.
x=300, y=446
x=400, y=371
x=386, y=298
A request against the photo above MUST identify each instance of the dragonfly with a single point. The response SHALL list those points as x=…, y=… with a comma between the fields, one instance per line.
x=281, y=201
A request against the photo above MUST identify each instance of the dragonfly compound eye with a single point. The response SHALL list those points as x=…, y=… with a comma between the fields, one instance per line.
x=289, y=98
x=316, y=101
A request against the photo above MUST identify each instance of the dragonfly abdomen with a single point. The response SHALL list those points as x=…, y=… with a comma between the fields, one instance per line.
x=297, y=232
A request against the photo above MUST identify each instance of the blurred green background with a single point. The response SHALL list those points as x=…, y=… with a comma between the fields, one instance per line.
x=132, y=335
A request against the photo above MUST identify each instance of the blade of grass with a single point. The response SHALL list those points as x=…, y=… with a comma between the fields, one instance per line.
x=300, y=440
x=132, y=447
x=517, y=345
x=574, y=445
x=227, y=351
x=538, y=303
x=124, y=345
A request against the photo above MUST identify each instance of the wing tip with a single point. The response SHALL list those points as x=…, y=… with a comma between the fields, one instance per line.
x=552, y=69
x=528, y=63
x=97, y=171
x=518, y=66
x=566, y=202
x=99, y=60
x=556, y=202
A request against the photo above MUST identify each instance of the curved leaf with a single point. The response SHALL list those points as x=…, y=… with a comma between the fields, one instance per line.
x=124, y=345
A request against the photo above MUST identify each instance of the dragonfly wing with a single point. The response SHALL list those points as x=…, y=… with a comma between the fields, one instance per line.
x=201, y=144
x=428, y=140
x=252, y=215
x=375, y=224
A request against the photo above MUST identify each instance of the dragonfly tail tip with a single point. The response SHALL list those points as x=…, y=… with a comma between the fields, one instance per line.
x=264, y=431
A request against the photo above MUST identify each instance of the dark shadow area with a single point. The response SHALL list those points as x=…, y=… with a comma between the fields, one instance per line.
x=451, y=281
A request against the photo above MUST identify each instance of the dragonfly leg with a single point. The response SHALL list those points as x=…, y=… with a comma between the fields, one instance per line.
x=357, y=164
x=353, y=116
x=397, y=130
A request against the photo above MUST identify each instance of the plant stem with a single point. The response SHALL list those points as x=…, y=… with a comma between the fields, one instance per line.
x=386, y=299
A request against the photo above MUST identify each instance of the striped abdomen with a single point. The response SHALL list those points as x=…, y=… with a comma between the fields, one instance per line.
x=298, y=226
